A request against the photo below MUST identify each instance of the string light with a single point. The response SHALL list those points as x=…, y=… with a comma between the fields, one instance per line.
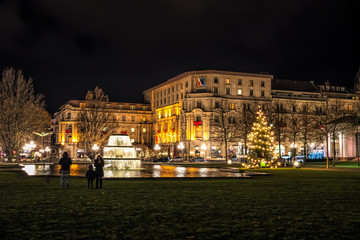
x=261, y=143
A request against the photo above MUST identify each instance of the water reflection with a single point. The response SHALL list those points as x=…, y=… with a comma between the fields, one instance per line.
x=147, y=171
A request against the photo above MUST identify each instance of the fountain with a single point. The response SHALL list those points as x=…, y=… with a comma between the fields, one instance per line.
x=120, y=154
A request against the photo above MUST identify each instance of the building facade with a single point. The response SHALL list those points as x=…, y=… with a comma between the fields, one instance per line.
x=182, y=115
x=185, y=110
x=133, y=119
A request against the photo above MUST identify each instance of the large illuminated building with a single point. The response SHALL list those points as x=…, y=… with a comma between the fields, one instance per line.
x=184, y=110
x=184, y=106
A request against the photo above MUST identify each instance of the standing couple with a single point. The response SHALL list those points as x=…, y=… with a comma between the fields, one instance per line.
x=65, y=163
x=98, y=173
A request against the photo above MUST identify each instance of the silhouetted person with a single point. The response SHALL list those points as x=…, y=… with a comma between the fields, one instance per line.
x=99, y=164
x=65, y=163
x=90, y=175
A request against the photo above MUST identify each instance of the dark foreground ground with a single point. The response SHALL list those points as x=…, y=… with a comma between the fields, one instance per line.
x=288, y=204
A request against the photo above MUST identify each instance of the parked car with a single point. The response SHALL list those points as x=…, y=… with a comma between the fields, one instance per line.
x=177, y=159
x=162, y=159
x=199, y=159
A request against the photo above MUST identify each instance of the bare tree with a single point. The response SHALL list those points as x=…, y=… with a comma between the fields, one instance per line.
x=245, y=117
x=293, y=124
x=95, y=122
x=223, y=127
x=307, y=126
x=22, y=112
x=278, y=118
x=330, y=124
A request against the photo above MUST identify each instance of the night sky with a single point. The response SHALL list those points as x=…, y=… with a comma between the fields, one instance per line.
x=126, y=47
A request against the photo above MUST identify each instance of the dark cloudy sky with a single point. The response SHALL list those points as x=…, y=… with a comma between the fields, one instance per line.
x=126, y=47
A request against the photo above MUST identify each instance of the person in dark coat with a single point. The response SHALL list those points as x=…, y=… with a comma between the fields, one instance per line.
x=90, y=175
x=65, y=163
x=99, y=164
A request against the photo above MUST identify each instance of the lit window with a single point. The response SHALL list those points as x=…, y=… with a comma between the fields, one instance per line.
x=132, y=140
x=144, y=130
x=82, y=105
x=232, y=106
x=132, y=107
x=166, y=114
x=251, y=83
x=239, y=91
x=227, y=81
x=159, y=115
x=132, y=130
x=121, y=106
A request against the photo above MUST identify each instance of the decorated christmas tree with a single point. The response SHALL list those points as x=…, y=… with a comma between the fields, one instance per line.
x=261, y=142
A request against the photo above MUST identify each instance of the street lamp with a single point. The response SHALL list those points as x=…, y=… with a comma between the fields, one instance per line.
x=203, y=147
x=47, y=150
x=293, y=148
x=181, y=147
x=157, y=148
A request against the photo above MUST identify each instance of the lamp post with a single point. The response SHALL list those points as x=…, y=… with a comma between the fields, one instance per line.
x=181, y=147
x=293, y=150
x=203, y=147
x=157, y=148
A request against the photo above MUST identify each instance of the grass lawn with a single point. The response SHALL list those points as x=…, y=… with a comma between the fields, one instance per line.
x=347, y=164
x=288, y=204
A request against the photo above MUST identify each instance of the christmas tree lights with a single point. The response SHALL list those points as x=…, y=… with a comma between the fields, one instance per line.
x=261, y=142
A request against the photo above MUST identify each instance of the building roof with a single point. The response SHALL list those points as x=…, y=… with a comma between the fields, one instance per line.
x=293, y=85
x=190, y=73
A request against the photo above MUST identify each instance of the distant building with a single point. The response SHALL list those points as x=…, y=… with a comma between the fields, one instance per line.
x=134, y=119
x=184, y=109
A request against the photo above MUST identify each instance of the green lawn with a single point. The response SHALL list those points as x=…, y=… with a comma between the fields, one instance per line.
x=347, y=164
x=288, y=204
